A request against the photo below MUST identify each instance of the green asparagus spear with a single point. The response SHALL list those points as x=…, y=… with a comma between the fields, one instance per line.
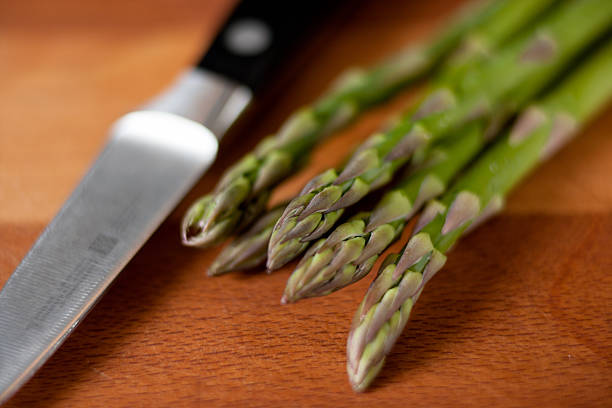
x=350, y=251
x=503, y=84
x=249, y=250
x=244, y=189
x=538, y=133
x=505, y=19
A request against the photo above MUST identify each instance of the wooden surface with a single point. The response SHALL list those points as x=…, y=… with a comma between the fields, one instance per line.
x=520, y=316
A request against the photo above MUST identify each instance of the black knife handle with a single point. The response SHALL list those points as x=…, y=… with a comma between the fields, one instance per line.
x=258, y=35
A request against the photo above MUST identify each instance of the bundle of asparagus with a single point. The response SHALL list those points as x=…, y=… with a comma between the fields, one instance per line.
x=537, y=134
x=243, y=190
x=488, y=92
x=492, y=64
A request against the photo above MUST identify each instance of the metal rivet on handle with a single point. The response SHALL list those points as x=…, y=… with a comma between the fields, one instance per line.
x=248, y=37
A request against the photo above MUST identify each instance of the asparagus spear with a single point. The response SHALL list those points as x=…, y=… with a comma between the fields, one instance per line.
x=538, y=133
x=244, y=189
x=249, y=249
x=350, y=251
x=510, y=79
x=505, y=19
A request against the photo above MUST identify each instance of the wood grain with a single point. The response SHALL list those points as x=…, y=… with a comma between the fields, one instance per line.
x=520, y=316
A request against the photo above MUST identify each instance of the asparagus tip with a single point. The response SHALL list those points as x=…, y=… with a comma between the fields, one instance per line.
x=280, y=255
x=217, y=269
x=271, y=265
x=192, y=230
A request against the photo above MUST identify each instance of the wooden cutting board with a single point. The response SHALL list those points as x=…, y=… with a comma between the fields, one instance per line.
x=520, y=316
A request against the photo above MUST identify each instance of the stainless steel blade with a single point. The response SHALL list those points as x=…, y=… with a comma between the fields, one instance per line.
x=154, y=156
x=151, y=161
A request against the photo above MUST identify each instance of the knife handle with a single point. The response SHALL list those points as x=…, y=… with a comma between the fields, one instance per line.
x=258, y=35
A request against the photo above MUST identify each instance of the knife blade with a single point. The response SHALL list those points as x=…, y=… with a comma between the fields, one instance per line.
x=153, y=157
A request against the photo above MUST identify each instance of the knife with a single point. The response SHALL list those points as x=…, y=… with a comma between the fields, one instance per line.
x=153, y=157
